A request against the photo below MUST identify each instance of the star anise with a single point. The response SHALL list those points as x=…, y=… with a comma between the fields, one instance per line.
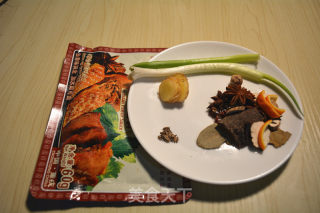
x=240, y=96
x=234, y=96
x=218, y=106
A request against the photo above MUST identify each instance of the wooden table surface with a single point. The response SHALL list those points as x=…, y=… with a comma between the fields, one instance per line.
x=34, y=36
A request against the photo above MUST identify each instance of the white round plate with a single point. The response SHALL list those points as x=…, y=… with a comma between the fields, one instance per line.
x=226, y=165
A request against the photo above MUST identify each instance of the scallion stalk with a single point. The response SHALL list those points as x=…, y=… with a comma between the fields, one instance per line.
x=243, y=58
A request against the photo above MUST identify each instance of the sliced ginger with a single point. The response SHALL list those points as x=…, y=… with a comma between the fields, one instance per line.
x=169, y=90
x=184, y=85
x=174, y=89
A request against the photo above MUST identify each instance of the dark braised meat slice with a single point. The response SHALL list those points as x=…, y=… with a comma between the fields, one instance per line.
x=90, y=163
x=87, y=137
x=81, y=123
x=236, y=127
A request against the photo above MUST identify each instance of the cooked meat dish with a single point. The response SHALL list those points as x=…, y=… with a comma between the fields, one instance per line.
x=90, y=163
x=95, y=74
x=87, y=137
x=93, y=97
x=81, y=123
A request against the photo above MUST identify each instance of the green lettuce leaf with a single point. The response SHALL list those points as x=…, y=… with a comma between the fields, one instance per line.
x=121, y=148
x=113, y=169
x=131, y=158
x=109, y=120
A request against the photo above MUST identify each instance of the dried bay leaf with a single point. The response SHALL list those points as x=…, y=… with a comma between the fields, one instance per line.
x=210, y=138
x=279, y=137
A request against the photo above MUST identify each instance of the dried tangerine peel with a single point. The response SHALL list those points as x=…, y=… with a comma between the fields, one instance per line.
x=272, y=99
x=271, y=110
x=263, y=136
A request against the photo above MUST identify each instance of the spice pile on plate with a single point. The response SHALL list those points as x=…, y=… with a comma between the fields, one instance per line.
x=243, y=119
